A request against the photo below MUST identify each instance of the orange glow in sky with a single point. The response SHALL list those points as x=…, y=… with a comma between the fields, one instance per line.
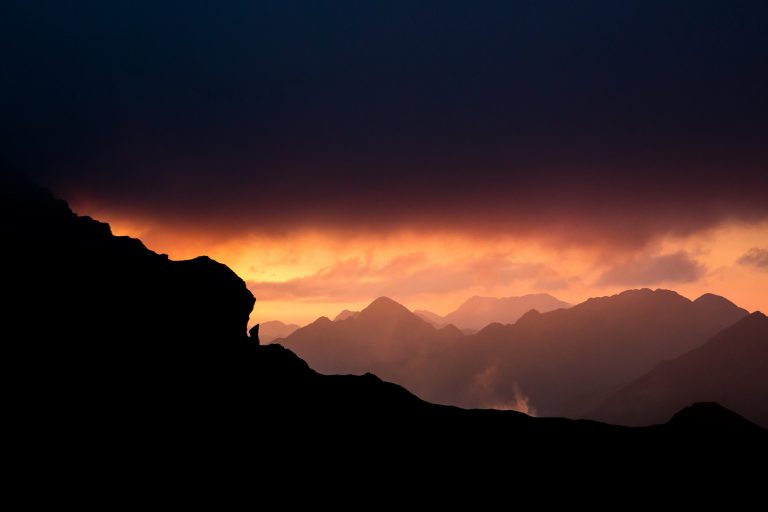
x=299, y=276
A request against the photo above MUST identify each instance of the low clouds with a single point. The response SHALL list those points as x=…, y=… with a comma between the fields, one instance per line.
x=755, y=257
x=356, y=279
x=678, y=267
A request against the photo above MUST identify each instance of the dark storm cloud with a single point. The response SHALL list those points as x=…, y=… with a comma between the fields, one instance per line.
x=677, y=267
x=594, y=119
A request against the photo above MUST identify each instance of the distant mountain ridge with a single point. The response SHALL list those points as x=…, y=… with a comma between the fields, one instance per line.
x=385, y=338
x=274, y=329
x=569, y=360
x=478, y=312
x=432, y=318
x=563, y=362
x=345, y=314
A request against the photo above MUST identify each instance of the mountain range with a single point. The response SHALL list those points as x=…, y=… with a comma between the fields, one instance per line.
x=477, y=312
x=125, y=360
x=385, y=338
x=562, y=363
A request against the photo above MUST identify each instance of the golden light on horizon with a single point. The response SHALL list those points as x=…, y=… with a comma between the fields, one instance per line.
x=302, y=275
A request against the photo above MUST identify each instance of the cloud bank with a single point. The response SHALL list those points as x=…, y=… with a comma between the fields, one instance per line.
x=587, y=124
x=678, y=267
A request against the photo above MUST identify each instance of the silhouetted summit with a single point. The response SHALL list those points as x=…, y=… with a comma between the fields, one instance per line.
x=386, y=308
x=384, y=338
x=711, y=418
x=72, y=273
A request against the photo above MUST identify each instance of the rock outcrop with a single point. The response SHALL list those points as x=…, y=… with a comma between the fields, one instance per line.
x=69, y=274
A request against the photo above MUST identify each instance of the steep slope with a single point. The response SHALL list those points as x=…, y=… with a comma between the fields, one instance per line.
x=731, y=369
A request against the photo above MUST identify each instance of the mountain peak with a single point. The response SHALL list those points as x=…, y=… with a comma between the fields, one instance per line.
x=710, y=301
x=711, y=416
x=384, y=305
x=711, y=298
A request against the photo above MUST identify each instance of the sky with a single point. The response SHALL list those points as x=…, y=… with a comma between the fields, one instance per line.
x=331, y=152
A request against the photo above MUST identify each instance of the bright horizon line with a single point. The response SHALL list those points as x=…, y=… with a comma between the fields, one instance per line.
x=299, y=277
x=414, y=309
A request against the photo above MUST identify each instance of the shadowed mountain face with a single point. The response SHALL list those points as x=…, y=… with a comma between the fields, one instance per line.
x=478, y=312
x=570, y=360
x=731, y=368
x=270, y=331
x=561, y=363
x=121, y=353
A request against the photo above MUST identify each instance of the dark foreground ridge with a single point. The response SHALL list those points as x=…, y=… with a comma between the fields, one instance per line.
x=120, y=350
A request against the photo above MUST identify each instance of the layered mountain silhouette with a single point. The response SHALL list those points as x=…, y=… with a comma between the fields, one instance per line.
x=122, y=357
x=274, y=329
x=430, y=317
x=731, y=369
x=478, y=312
x=437, y=321
x=343, y=406
x=568, y=361
x=561, y=363
x=385, y=338
x=346, y=314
